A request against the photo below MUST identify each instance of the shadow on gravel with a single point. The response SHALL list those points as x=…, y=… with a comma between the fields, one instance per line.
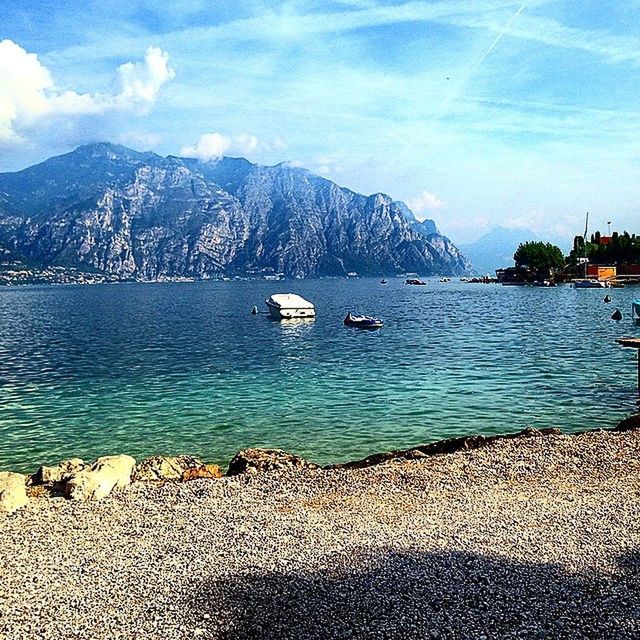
x=416, y=596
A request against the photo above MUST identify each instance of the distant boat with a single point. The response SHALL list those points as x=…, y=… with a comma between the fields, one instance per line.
x=414, y=281
x=590, y=283
x=543, y=283
x=445, y=280
x=286, y=306
x=383, y=281
x=363, y=322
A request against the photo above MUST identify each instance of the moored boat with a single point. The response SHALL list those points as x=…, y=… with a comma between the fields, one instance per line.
x=363, y=322
x=414, y=281
x=590, y=283
x=286, y=306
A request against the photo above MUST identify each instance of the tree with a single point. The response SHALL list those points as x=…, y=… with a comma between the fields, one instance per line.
x=539, y=256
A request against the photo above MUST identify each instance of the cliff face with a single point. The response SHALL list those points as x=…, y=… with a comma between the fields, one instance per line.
x=139, y=215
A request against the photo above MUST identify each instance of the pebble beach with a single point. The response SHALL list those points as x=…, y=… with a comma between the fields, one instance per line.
x=528, y=537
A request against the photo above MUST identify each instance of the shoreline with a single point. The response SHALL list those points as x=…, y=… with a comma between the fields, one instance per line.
x=530, y=535
x=52, y=480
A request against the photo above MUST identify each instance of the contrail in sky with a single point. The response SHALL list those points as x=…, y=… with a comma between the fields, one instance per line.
x=458, y=87
x=455, y=93
x=514, y=17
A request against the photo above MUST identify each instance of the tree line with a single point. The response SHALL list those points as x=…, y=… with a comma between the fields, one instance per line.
x=620, y=248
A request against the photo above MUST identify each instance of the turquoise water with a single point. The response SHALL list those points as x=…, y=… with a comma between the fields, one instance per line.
x=183, y=367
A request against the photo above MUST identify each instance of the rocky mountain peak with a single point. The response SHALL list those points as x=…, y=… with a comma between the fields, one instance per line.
x=138, y=215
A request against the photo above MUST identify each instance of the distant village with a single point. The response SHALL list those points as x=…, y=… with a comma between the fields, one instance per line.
x=612, y=260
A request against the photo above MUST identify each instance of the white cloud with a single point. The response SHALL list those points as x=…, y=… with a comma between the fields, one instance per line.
x=426, y=201
x=23, y=87
x=139, y=139
x=214, y=145
x=209, y=147
x=321, y=165
x=141, y=81
x=28, y=94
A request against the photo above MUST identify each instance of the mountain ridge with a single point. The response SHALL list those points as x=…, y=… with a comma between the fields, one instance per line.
x=495, y=248
x=139, y=215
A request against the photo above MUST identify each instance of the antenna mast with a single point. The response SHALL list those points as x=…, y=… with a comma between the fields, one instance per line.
x=586, y=227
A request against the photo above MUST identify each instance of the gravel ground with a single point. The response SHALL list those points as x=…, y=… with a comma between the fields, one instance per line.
x=530, y=538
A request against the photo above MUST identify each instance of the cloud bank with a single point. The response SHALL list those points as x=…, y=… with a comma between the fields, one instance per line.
x=425, y=202
x=29, y=97
x=212, y=146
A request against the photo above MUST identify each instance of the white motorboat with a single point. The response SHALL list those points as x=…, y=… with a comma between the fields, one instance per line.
x=285, y=306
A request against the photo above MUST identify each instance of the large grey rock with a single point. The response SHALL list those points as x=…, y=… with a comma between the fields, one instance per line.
x=165, y=467
x=59, y=473
x=13, y=491
x=261, y=460
x=99, y=480
x=138, y=215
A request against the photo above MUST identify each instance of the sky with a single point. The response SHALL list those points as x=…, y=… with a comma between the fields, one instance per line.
x=476, y=113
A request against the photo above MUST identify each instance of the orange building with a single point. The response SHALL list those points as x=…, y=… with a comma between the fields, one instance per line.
x=601, y=272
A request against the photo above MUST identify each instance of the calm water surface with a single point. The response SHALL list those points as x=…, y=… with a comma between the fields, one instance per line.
x=183, y=367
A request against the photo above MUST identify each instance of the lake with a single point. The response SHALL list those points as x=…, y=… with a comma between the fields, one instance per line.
x=185, y=368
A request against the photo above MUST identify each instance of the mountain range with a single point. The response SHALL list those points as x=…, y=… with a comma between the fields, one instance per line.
x=495, y=249
x=138, y=215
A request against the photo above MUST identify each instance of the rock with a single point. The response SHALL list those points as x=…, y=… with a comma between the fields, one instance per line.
x=208, y=471
x=96, y=482
x=59, y=473
x=442, y=447
x=629, y=424
x=13, y=491
x=261, y=460
x=165, y=467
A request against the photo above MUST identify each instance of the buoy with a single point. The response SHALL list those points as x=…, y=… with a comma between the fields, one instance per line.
x=607, y=298
x=254, y=311
x=616, y=315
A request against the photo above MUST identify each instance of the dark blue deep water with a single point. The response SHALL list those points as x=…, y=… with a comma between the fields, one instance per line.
x=184, y=368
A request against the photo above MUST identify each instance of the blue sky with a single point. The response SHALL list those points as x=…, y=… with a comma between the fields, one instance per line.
x=475, y=112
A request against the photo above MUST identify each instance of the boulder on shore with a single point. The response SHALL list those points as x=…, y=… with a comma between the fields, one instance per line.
x=207, y=471
x=59, y=473
x=629, y=424
x=99, y=480
x=165, y=468
x=13, y=491
x=261, y=460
